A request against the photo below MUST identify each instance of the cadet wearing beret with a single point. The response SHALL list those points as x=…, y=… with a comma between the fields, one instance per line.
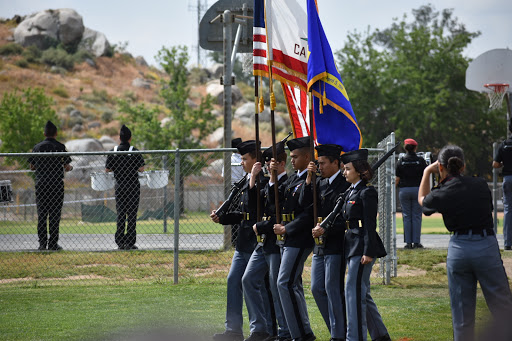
x=126, y=170
x=265, y=259
x=409, y=170
x=49, y=184
x=296, y=228
x=473, y=251
x=245, y=244
x=327, y=280
x=362, y=246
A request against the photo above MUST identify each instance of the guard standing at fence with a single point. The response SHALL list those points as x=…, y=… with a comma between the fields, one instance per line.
x=473, y=251
x=126, y=168
x=245, y=245
x=327, y=279
x=295, y=226
x=503, y=158
x=265, y=261
x=362, y=245
x=49, y=185
x=409, y=170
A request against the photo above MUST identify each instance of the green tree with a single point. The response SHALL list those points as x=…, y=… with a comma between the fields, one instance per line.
x=410, y=78
x=23, y=115
x=186, y=126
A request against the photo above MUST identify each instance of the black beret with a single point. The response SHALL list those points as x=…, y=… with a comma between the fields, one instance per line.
x=301, y=142
x=329, y=150
x=235, y=142
x=355, y=155
x=125, y=133
x=268, y=153
x=50, y=128
x=246, y=147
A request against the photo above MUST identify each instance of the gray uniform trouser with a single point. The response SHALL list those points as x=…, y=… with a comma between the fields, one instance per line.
x=291, y=291
x=254, y=285
x=362, y=312
x=473, y=258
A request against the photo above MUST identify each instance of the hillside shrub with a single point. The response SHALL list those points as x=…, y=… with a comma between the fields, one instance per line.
x=60, y=91
x=32, y=54
x=58, y=57
x=107, y=116
x=10, y=49
x=22, y=63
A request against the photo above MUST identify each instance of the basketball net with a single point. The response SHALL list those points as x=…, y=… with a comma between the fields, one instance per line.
x=496, y=95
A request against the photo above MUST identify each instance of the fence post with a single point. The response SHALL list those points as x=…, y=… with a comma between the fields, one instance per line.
x=164, y=167
x=495, y=189
x=177, y=205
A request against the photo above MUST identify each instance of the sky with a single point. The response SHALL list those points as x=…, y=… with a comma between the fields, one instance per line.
x=149, y=25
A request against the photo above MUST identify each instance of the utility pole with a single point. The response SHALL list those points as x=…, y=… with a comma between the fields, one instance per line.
x=199, y=8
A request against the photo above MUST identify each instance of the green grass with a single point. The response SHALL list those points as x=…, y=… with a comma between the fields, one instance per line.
x=190, y=223
x=59, y=307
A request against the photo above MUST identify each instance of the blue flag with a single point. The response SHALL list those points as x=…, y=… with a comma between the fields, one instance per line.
x=335, y=121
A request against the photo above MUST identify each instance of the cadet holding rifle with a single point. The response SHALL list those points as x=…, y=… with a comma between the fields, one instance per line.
x=327, y=279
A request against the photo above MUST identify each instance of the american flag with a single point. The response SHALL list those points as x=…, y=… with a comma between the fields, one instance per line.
x=280, y=36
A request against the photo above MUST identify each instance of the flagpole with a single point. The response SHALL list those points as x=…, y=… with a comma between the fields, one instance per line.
x=312, y=148
x=258, y=147
x=274, y=147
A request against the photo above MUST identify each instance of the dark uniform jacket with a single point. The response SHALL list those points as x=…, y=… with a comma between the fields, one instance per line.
x=410, y=170
x=326, y=200
x=360, y=211
x=125, y=167
x=246, y=217
x=504, y=154
x=49, y=169
x=298, y=230
x=266, y=226
x=465, y=203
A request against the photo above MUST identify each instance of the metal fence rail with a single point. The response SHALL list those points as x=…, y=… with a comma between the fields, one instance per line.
x=176, y=240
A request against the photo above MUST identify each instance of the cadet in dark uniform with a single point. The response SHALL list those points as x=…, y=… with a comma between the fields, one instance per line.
x=49, y=187
x=266, y=258
x=327, y=279
x=503, y=158
x=362, y=245
x=126, y=170
x=245, y=244
x=296, y=228
x=473, y=252
x=409, y=171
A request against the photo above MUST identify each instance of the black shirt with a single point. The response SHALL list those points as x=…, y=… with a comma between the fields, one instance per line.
x=504, y=155
x=49, y=168
x=410, y=170
x=464, y=202
x=126, y=166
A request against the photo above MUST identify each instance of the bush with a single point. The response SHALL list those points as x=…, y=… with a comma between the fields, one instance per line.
x=10, y=49
x=22, y=63
x=82, y=55
x=58, y=57
x=60, y=91
x=32, y=54
x=107, y=116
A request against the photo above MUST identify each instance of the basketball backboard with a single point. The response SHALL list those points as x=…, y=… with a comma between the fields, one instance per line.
x=491, y=67
x=211, y=34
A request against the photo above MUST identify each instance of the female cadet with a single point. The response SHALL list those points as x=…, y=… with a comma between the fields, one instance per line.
x=362, y=246
x=473, y=252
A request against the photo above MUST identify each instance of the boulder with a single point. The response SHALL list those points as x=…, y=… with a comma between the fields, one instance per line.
x=95, y=42
x=84, y=145
x=139, y=60
x=217, y=137
x=215, y=168
x=75, y=113
x=141, y=83
x=216, y=90
x=44, y=29
x=216, y=70
x=40, y=29
x=245, y=113
x=71, y=26
x=93, y=125
x=107, y=142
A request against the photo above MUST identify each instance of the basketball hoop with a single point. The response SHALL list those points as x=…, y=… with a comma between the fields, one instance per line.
x=496, y=95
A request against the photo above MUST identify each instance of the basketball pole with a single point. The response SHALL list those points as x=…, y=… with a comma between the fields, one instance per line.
x=509, y=111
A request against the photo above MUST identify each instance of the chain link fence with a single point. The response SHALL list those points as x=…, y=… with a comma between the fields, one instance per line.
x=171, y=200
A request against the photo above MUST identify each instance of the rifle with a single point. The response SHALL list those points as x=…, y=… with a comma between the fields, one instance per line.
x=233, y=197
x=329, y=220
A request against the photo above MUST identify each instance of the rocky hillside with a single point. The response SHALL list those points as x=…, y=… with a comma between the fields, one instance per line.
x=86, y=84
